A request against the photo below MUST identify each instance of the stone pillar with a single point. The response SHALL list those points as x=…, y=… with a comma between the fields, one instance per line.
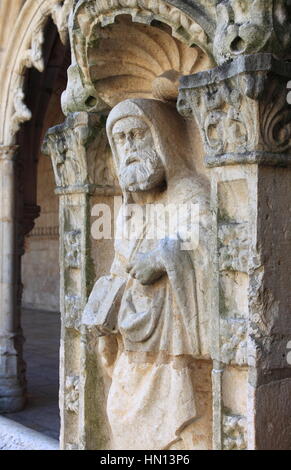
x=245, y=123
x=12, y=382
x=73, y=148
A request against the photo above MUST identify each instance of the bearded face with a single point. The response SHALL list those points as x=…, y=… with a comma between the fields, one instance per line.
x=140, y=168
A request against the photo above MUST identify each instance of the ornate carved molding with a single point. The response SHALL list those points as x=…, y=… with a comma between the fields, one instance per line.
x=130, y=58
x=73, y=147
x=72, y=248
x=80, y=155
x=183, y=26
x=242, y=110
x=233, y=341
x=45, y=232
x=32, y=57
x=72, y=394
x=21, y=112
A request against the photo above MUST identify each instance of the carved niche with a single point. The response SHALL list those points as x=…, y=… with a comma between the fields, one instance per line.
x=116, y=58
x=150, y=305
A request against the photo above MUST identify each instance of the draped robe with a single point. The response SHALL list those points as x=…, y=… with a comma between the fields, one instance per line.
x=151, y=397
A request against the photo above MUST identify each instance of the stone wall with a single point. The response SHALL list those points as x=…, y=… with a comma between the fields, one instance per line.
x=40, y=265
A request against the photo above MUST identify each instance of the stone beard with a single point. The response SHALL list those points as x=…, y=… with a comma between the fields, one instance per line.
x=150, y=331
x=140, y=168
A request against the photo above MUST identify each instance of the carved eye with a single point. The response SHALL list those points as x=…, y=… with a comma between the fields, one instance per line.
x=119, y=138
x=138, y=133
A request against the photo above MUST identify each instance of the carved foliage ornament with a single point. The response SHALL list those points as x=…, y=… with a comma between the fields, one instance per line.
x=242, y=110
x=72, y=394
x=72, y=247
x=234, y=432
x=73, y=311
x=72, y=147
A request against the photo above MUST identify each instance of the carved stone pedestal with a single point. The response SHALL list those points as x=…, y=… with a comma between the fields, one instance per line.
x=245, y=124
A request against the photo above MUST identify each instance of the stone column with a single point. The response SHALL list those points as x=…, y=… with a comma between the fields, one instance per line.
x=245, y=123
x=73, y=148
x=12, y=382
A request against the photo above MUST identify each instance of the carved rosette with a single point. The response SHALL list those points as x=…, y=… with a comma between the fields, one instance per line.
x=234, y=432
x=242, y=111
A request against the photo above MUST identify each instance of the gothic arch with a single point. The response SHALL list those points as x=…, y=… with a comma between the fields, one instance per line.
x=24, y=51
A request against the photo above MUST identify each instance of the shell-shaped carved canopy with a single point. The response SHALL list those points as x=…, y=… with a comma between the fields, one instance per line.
x=133, y=60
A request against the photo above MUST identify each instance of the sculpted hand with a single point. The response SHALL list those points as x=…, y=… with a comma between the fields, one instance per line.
x=146, y=268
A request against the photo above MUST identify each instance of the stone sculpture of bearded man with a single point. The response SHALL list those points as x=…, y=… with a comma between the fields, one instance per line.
x=152, y=303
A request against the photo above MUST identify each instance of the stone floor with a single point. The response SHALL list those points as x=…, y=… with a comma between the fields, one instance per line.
x=41, y=352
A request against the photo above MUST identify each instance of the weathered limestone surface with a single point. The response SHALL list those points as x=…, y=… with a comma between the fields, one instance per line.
x=19, y=50
x=244, y=118
x=73, y=147
x=161, y=325
x=236, y=53
x=40, y=263
x=12, y=381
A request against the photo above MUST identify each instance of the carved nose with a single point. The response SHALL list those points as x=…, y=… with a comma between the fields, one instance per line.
x=129, y=144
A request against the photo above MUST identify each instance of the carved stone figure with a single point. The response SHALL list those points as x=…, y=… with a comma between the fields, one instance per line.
x=150, y=309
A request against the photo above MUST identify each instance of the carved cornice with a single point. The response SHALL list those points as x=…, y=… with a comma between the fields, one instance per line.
x=242, y=111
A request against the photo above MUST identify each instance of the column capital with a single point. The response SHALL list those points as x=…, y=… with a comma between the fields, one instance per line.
x=72, y=147
x=7, y=152
x=242, y=110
